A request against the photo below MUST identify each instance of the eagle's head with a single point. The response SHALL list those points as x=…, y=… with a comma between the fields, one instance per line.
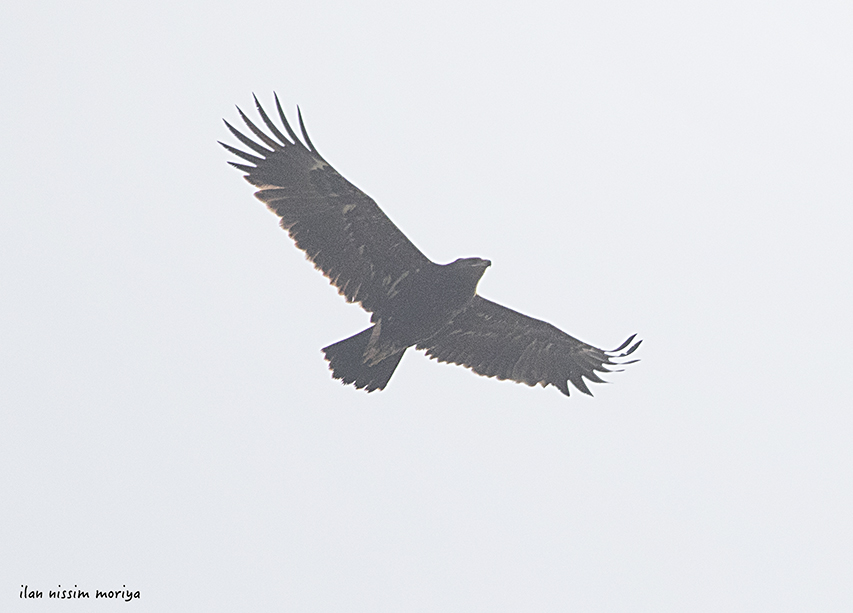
x=473, y=263
x=474, y=267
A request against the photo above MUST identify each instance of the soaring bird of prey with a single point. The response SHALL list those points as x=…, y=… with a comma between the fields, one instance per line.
x=413, y=301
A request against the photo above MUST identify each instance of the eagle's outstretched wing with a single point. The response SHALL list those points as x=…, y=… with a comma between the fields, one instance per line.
x=495, y=341
x=340, y=228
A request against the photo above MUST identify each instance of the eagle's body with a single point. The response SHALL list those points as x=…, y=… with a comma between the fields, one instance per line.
x=412, y=300
x=422, y=303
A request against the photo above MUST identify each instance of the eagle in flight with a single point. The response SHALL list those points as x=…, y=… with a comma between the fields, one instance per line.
x=412, y=300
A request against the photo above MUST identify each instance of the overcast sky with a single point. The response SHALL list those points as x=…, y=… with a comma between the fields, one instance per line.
x=679, y=170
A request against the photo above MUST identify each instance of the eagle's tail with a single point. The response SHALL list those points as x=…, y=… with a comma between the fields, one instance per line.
x=347, y=362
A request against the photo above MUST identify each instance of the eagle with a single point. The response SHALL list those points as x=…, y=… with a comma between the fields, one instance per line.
x=412, y=301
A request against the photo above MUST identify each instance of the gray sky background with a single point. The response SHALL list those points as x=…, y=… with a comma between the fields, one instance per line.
x=680, y=170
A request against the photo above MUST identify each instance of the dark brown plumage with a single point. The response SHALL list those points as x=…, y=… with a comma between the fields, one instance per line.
x=412, y=300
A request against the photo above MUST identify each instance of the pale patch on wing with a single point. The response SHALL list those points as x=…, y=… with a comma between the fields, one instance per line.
x=392, y=291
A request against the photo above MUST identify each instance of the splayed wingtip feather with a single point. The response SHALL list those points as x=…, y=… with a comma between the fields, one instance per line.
x=276, y=146
x=273, y=128
x=284, y=121
x=246, y=156
x=248, y=141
